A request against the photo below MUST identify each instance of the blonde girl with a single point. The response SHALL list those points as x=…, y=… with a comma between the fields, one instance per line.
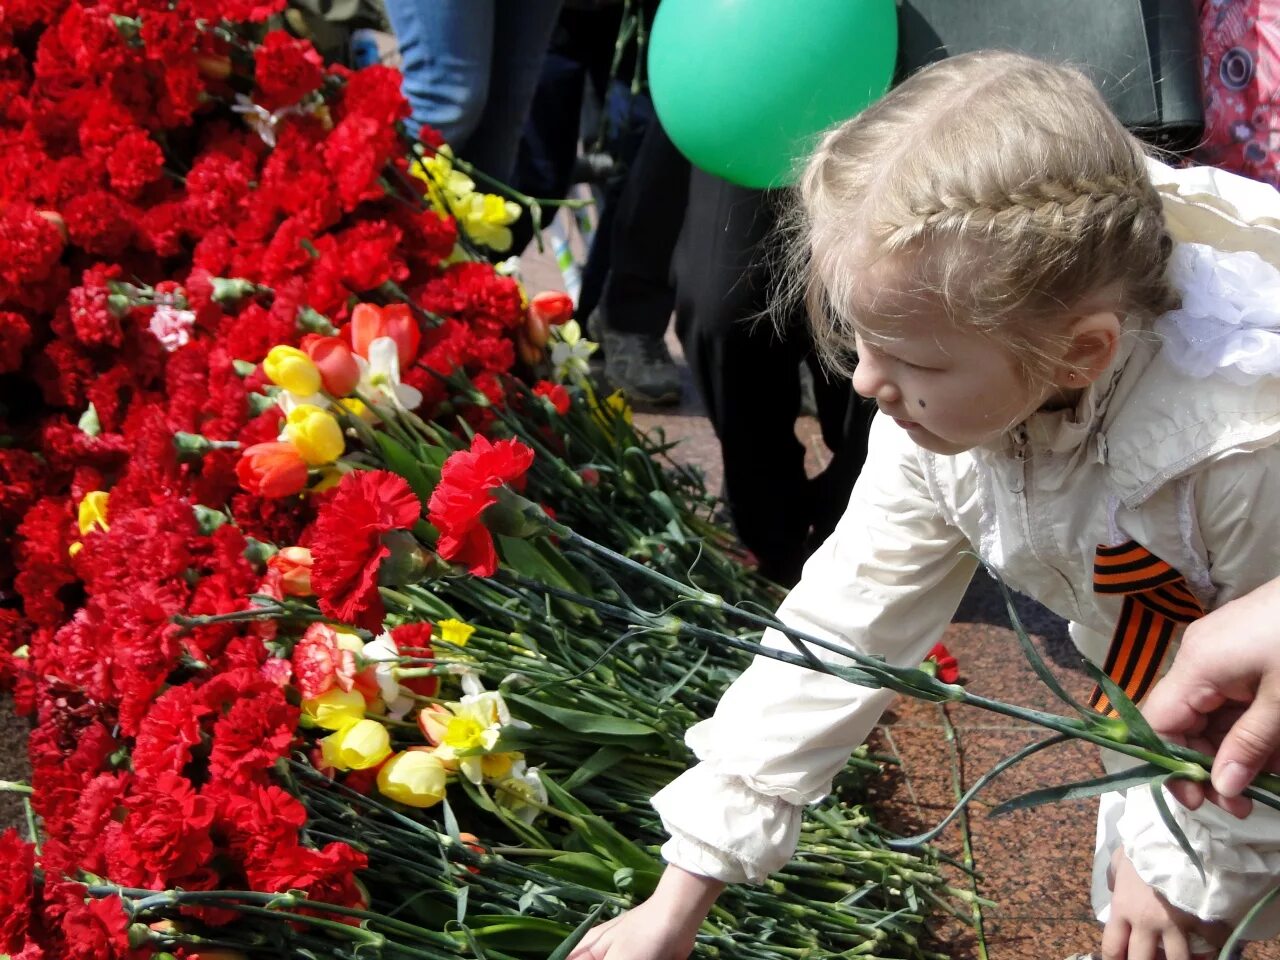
x=1074, y=351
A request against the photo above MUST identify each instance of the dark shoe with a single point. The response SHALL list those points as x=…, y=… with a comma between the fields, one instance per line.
x=641, y=366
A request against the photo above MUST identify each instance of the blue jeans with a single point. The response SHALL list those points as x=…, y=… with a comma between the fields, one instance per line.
x=470, y=68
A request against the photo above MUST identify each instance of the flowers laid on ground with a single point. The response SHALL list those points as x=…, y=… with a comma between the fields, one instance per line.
x=262, y=406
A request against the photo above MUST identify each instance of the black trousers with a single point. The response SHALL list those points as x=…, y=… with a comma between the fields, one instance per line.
x=749, y=378
x=638, y=295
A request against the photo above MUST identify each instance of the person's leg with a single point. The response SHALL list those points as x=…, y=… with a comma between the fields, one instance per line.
x=749, y=377
x=638, y=295
x=446, y=49
x=549, y=145
x=636, y=299
x=521, y=34
x=629, y=115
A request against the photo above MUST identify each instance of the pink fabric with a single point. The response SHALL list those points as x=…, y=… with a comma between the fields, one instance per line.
x=1240, y=69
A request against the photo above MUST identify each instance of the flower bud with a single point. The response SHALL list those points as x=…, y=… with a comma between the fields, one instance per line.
x=334, y=709
x=272, y=470
x=336, y=363
x=551, y=307
x=315, y=433
x=361, y=745
x=415, y=778
x=294, y=565
x=292, y=369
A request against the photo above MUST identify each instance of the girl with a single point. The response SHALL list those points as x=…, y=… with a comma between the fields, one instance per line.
x=1070, y=346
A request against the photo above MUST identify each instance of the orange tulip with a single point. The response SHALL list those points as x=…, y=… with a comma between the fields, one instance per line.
x=369, y=321
x=337, y=364
x=272, y=470
x=294, y=565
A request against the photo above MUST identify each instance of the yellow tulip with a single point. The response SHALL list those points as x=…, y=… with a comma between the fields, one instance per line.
x=292, y=369
x=315, y=434
x=415, y=778
x=361, y=745
x=334, y=709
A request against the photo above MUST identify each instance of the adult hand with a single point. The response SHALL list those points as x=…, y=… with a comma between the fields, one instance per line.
x=661, y=928
x=1222, y=696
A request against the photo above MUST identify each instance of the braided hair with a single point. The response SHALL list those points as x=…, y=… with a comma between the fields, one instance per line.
x=993, y=189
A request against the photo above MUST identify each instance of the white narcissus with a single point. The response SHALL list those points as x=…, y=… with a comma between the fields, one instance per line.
x=382, y=650
x=522, y=792
x=380, y=376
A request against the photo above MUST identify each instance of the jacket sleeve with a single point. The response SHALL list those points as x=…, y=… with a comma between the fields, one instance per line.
x=1236, y=502
x=886, y=582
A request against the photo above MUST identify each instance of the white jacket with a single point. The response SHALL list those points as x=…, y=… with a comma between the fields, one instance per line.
x=1186, y=464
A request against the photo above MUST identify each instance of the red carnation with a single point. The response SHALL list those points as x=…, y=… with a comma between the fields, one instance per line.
x=347, y=543
x=942, y=664
x=466, y=489
x=414, y=640
x=557, y=395
x=320, y=664
x=286, y=70
x=15, y=891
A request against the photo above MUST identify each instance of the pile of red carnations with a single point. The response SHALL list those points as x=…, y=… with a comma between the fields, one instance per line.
x=260, y=398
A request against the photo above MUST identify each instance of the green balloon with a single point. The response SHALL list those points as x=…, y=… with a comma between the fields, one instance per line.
x=744, y=87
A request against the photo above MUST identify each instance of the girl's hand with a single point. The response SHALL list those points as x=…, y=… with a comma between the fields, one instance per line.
x=661, y=928
x=1145, y=926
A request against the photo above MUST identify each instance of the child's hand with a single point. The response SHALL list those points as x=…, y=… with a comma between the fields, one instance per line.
x=661, y=928
x=1145, y=926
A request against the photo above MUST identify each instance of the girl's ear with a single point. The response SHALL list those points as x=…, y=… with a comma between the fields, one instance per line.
x=1095, y=338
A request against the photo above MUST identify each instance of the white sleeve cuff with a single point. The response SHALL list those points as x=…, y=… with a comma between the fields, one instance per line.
x=1241, y=858
x=721, y=828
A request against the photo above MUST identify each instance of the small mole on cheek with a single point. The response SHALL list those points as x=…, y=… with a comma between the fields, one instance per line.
x=921, y=402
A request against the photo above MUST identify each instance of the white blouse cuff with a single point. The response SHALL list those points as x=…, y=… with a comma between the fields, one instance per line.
x=1241, y=859
x=721, y=828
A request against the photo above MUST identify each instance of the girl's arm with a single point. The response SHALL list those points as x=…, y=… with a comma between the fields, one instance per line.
x=1237, y=505
x=887, y=582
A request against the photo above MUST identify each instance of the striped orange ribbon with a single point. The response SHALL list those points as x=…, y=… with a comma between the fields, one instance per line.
x=1156, y=601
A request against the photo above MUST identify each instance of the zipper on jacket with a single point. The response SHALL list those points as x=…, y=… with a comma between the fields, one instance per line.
x=1020, y=458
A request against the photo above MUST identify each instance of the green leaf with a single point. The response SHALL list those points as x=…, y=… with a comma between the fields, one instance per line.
x=408, y=466
x=1237, y=934
x=582, y=868
x=1139, y=730
x=608, y=842
x=473, y=943
x=1121, y=780
x=667, y=692
x=450, y=822
x=596, y=764
x=1162, y=805
x=523, y=933
x=571, y=574
x=906, y=843
x=1033, y=655
x=524, y=557
x=591, y=725
x=460, y=899
x=562, y=952
x=564, y=800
